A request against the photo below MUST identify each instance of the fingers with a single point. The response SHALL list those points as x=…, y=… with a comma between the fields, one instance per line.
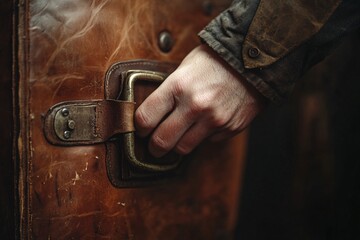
x=155, y=107
x=201, y=97
x=179, y=133
x=192, y=138
x=168, y=133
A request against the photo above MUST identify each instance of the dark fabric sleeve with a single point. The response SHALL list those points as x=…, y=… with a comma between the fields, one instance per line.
x=226, y=35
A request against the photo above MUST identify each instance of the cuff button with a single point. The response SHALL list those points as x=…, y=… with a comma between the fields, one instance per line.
x=253, y=52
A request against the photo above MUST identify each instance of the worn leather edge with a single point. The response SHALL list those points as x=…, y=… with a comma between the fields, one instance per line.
x=113, y=82
x=118, y=113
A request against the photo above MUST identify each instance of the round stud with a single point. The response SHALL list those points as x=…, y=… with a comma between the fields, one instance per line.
x=65, y=112
x=67, y=134
x=166, y=41
x=207, y=8
x=71, y=124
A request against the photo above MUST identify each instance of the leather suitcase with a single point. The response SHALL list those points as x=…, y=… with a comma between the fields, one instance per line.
x=78, y=171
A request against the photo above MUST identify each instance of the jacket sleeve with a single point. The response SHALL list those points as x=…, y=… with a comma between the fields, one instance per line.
x=272, y=43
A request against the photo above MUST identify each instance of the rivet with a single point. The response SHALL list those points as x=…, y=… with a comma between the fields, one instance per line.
x=165, y=41
x=253, y=52
x=65, y=112
x=71, y=124
x=207, y=8
x=67, y=134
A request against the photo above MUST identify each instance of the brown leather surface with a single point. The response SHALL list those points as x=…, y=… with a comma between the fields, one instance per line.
x=65, y=191
x=114, y=117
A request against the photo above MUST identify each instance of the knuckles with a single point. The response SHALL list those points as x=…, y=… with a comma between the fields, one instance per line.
x=217, y=121
x=215, y=117
x=198, y=105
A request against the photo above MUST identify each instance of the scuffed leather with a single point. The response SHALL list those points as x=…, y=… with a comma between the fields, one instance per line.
x=65, y=191
x=278, y=27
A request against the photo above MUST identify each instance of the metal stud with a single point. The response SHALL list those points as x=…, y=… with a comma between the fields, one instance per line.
x=166, y=41
x=67, y=134
x=71, y=124
x=207, y=8
x=65, y=112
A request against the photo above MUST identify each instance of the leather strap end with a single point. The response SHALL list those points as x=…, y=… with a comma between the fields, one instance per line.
x=88, y=122
x=114, y=117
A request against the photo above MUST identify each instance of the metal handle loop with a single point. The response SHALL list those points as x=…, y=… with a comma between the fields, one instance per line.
x=132, y=77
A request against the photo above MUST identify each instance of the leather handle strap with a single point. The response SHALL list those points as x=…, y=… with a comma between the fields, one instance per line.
x=88, y=122
x=114, y=117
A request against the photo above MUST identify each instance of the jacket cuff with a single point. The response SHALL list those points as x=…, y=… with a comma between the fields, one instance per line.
x=253, y=76
x=226, y=34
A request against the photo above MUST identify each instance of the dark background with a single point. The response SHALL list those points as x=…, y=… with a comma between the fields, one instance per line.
x=302, y=179
x=7, y=193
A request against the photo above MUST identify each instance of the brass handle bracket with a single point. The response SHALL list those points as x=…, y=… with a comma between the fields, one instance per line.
x=131, y=78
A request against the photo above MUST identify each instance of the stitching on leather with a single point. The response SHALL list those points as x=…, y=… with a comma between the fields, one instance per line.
x=137, y=64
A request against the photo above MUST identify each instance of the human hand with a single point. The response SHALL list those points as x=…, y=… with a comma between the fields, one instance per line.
x=203, y=98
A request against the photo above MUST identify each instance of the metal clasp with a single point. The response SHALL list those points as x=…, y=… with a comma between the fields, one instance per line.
x=66, y=119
